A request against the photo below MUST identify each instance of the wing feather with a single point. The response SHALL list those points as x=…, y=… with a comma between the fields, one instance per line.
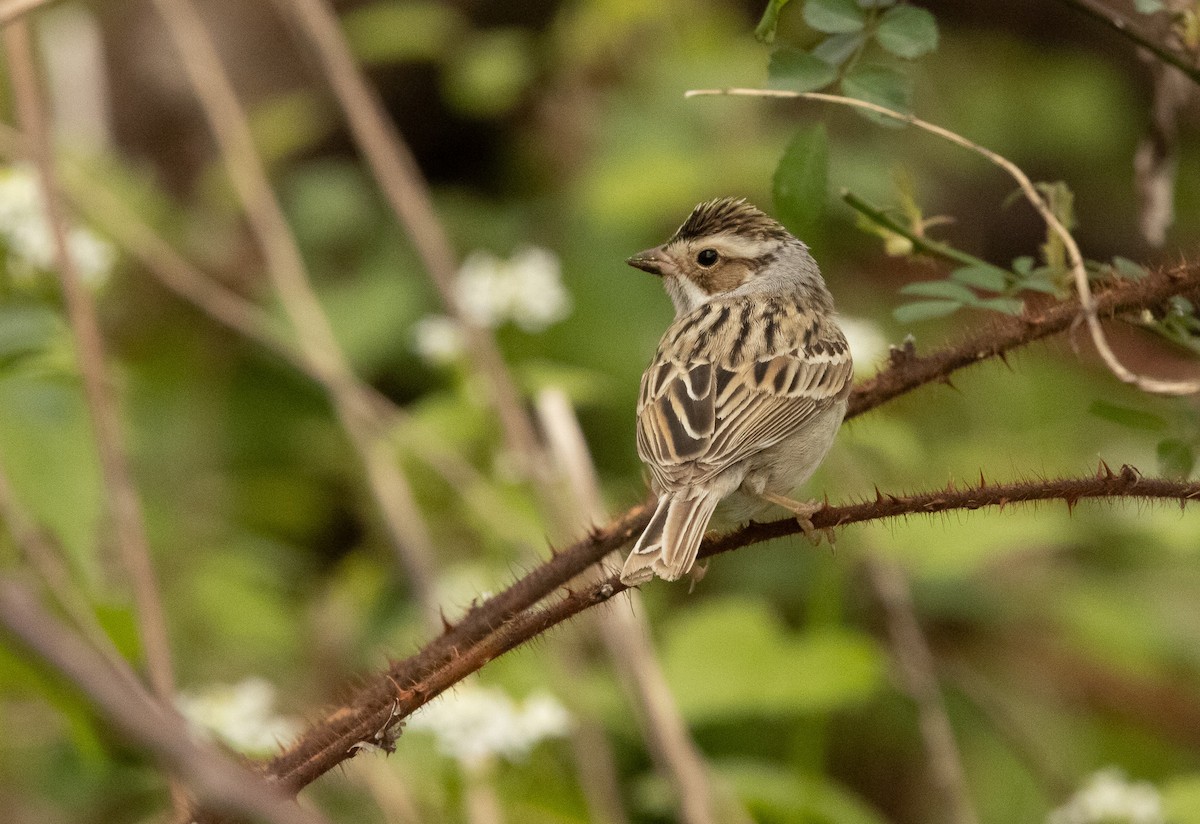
x=699, y=414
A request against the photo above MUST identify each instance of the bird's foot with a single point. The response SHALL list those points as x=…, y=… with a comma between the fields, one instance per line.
x=803, y=510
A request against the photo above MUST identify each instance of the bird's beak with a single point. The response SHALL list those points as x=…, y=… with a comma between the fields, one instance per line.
x=654, y=261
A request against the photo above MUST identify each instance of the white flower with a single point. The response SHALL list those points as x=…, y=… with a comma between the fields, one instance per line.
x=475, y=724
x=240, y=715
x=438, y=340
x=867, y=343
x=527, y=289
x=1110, y=798
x=26, y=233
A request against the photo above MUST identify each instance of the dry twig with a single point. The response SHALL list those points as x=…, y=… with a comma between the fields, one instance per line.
x=1074, y=256
x=219, y=783
x=289, y=275
x=124, y=505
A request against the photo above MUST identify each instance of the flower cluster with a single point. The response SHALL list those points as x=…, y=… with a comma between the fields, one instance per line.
x=526, y=289
x=476, y=724
x=26, y=233
x=239, y=715
x=1110, y=798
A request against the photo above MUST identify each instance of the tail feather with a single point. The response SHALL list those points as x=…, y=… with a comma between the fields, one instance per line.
x=669, y=545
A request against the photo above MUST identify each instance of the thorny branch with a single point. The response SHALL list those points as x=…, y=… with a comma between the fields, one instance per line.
x=505, y=620
x=409, y=684
x=1079, y=273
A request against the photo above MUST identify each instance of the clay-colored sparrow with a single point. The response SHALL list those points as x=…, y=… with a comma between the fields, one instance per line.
x=748, y=386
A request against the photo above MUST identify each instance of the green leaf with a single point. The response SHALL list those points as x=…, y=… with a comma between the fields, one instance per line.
x=1023, y=265
x=837, y=48
x=764, y=32
x=1175, y=459
x=1148, y=6
x=1128, y=268
x=1123, y=415
x=799, y=185
x=26, y=329
x=834, y=16
x=925, y=309
x=1009, y=306
x=947, y=289
x=881, y=85
x=1181, y=798
x=990, y=278
x=763, y=669
x=1038, y=284
x=907, y=31
x=773, y=792
x=797, y=70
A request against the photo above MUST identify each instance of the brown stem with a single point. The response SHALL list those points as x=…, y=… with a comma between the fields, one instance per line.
x=916, y=672
x=1119, y=24
x=408, y=194
x=124, y=505
x=286, y=267
x=219, y=782
x=392, y=695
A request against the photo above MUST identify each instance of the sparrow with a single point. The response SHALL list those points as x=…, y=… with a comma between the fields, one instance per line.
x=747, y=388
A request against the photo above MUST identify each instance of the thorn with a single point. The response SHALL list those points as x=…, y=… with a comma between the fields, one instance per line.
x=1003, y=356
x=1104, y=471
x=982, y=480
x=950, y=486
x=1071, y=501
x=1129, y=474
x=446, y=625
x=878, y=495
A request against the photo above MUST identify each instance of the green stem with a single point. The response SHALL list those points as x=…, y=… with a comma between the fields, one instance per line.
x=920, y=243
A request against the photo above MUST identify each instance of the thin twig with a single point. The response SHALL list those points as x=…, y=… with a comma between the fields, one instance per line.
x=1119, y=24
x=918, y=677
x=919, y=242
x=404, y=187
x=219, y=782
x=626, y=633
x=1074, y=256
x=124, y=505
x=287, y=270
x=394, y=694
x=45, y=559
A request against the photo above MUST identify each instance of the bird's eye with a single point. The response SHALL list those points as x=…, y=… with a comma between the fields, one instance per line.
x=707, y=257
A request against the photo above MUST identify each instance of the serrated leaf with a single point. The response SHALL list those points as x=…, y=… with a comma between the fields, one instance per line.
x=907, y=31
x=837, y=48
x=799, y=184
x=1123, y=415
x=881, y=85
x=1009, y=306
x=947, y=289
x=764, y=32
x=925, y=310
x=834, y=16
x=1037, y=284
x=1128, y=268
x=989, y=278
x=1175, y=459
x=797, y=70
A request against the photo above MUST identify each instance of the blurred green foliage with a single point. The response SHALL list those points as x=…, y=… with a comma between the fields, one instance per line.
x=1066, y=641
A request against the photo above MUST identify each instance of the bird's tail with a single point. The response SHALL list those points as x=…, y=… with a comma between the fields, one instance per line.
x=668, y=546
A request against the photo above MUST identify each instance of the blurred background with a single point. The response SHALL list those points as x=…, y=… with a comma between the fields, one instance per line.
x=557, y=141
